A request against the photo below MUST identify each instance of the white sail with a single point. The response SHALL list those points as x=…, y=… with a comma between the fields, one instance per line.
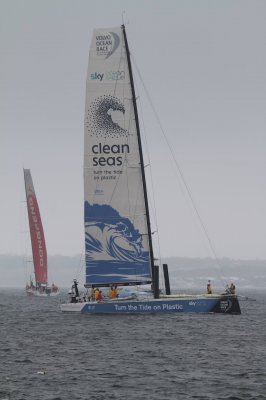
x=116, y=233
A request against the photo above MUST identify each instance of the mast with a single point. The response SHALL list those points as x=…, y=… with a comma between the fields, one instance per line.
x=140, y=147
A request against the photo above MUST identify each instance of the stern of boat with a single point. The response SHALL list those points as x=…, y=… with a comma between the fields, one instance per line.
x=227, y=305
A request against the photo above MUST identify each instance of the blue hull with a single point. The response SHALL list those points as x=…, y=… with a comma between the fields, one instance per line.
x=223, y=305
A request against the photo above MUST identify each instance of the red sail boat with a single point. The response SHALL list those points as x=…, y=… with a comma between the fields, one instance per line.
x=40, y=287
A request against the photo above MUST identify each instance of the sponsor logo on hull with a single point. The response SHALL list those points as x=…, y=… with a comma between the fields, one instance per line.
x=156, y=306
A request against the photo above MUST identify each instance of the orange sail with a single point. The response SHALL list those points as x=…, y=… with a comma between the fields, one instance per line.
x=36, y=232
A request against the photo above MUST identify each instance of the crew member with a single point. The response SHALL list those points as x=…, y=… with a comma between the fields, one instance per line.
x=111, y=293
x=115, y=291
x=232, y=289
x=100, y=296
x=209, y=287
x=97, y=291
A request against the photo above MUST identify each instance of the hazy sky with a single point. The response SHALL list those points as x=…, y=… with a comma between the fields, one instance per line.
x=204, y=66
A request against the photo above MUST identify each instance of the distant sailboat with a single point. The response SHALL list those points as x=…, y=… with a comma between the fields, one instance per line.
x=118, y=239
x=40, y=287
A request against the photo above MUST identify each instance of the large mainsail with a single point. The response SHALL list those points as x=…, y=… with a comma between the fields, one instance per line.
x=36, y=232
x=117, y=237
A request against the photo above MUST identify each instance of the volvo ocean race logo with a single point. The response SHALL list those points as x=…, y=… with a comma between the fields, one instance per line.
x=107, y=44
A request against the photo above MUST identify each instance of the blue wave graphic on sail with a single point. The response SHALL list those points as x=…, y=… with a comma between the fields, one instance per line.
x=114, y=248
x=111, y=235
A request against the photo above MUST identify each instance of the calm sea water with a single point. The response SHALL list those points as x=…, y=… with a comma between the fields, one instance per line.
x=130, y=357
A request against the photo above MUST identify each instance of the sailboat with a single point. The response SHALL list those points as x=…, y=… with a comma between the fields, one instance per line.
x=40, y=287
x=118, y=237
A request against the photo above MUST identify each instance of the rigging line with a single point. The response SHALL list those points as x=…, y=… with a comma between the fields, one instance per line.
x=146, y=205
x=134, y=213
x=80, y=266
x=178, y=167
x=152, y=182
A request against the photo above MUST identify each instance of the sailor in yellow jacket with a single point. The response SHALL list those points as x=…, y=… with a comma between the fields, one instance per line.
x=209, y=287
x=97, y=291
x=112, y=293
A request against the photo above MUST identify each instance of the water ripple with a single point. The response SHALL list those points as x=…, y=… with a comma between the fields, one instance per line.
x=152, y=357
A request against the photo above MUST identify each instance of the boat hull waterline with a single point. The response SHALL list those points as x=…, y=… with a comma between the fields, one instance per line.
x=221, y=305
x=31, y=293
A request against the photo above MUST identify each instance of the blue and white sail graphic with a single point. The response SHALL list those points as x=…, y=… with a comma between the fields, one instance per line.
x=114, y=248
x=116, y=233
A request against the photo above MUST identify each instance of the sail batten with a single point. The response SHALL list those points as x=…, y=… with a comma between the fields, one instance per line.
x=115, y=215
